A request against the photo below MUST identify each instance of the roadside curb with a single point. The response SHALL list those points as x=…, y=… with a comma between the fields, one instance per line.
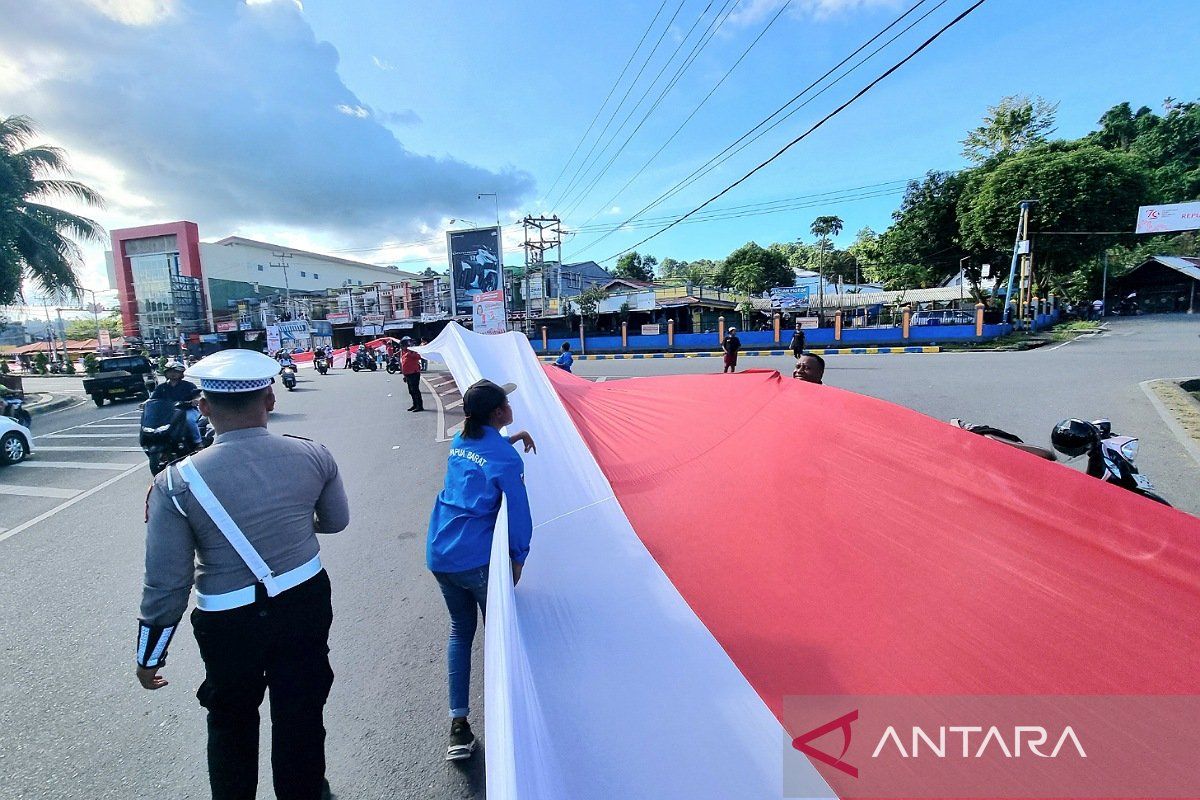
x=53, y=404
x=1154, y=390
x=831, y=351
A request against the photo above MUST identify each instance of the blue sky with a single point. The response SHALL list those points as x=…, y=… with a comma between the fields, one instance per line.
x=348, y=125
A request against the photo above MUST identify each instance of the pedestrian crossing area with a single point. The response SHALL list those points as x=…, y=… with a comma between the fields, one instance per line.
x=68, y=464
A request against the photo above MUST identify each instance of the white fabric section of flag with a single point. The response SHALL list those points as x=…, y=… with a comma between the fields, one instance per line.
x=600, y=681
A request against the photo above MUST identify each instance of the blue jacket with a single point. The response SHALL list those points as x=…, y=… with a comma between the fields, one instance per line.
x=478, y=473
x=565, y=360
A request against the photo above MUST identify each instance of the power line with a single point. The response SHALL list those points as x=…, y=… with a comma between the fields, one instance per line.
x=817, y=125
x=714, y=26
x=607, y=97
x=693, y=113
x=624, y=97
x=721, y=157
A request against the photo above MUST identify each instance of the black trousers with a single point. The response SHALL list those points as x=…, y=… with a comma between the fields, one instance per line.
x=279, y=644
x=414, y=389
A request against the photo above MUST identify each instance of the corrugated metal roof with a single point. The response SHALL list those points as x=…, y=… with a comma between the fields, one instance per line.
x=1188, y=266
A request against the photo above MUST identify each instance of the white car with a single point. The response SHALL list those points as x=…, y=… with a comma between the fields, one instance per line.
x=16, y=441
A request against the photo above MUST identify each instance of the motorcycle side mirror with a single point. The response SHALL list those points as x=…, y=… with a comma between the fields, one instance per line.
x=1105, y=427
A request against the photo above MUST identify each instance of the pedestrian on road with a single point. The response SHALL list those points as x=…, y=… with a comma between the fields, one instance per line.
x=798, y=342
x=346, y=363
x=484, y=467
x=263, y=607
x=410, y=368
x=731, y=346
x=565, y=358
x=810, y=368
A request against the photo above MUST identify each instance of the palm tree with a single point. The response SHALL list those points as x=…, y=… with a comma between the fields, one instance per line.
x=823, y=228
x=37, y=241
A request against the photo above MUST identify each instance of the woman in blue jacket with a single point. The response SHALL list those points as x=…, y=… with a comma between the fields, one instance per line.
x=484, y=467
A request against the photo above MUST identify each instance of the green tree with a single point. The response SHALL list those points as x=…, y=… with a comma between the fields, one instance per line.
x=753, y=269
x=588, y=302
x=41, y=363
x=37, y=240
x=1078, y=187
x=86, y=328
x=91, y=364
x=701, y=272
x=799, y=255
x=671, y=268
x=1012, y=125
x=635, y=266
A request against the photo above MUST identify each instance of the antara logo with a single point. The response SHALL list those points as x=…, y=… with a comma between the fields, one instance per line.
x=943, y=742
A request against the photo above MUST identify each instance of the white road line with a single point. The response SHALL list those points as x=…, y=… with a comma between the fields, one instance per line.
x=441, y=418
x=115, y=425
x=82, y=496
x=100, y=447
x=64, y=408
x=80, y=436
x=37, y=491
x=102, y=465
x=455, y=404
x=82, y=424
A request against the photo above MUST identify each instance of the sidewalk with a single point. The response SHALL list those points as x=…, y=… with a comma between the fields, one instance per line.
x=820, y=351
x=42, y=403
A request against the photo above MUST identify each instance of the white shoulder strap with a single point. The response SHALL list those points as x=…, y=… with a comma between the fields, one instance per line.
x=229, y=529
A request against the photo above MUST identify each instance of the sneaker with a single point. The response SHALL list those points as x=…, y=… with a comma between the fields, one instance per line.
x=462, y=741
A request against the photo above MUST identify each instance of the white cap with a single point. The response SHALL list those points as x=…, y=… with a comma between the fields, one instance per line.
x=232, y=371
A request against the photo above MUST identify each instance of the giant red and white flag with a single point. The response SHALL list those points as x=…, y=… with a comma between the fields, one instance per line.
x=706, y=546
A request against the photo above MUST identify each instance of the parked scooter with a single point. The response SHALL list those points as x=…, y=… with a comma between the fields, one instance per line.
x=164, y=435
x=288, y=373
x=13, y=407
x=1110, y=457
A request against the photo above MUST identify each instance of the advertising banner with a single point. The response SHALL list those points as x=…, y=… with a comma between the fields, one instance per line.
x=273, y=339
x=372, y=319
x=338, y=318
x=651, y=330
x=1173, y=217
x=475, y=266
x=104, y=339
x=225, y=326
x=488, y=312
x=790, y=296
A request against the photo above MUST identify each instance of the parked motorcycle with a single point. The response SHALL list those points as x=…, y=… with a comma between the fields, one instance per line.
x=288, y=374
x=1004, y=437
x=164, y=435
x=13, y=407
x=322, y=365
x=1110, y=457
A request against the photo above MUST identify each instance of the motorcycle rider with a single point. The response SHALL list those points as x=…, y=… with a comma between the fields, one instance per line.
x=181, y=391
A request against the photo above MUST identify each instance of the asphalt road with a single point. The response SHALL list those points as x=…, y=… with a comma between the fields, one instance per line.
x=75, y=723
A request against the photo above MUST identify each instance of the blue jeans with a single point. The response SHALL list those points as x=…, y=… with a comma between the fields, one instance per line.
x=464, y=592
x=192, y=417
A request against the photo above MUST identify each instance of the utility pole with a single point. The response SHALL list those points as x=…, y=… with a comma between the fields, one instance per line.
x=283, y=265
x=1104, y=287
x=1023, y=255
x=541, y=235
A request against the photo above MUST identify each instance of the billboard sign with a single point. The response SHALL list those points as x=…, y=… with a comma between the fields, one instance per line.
x=1173, y=217
x=225, y=326
x=338, y=318
x=104, y=339
x=790, y=296
x=475, y=266
x=273, y=340
x=372, y=320
x=488, y=312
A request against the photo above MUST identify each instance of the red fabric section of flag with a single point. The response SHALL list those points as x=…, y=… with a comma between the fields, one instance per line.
x=834, y=544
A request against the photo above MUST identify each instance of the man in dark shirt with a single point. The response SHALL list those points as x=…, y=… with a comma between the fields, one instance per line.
x=731, y=346
x=181, y=391
x=798, y=342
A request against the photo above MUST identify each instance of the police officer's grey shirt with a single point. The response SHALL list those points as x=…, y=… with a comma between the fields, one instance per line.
x=280, y=491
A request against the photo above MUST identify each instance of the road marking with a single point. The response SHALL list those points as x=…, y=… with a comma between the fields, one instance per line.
x=64, y=408
x=441, y=418
x=37, y=491
x=100, y=447
x=45, y=515
x=79, y=436
x=76, y=465
x=115, y=425
x=455, y=404
x=81, y=425
x=602, y=379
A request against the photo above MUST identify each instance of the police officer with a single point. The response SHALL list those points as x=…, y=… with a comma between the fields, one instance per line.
x=263, y=607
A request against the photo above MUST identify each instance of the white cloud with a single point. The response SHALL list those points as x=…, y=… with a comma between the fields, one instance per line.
x=229, y=114
x=381, y=64
x=614, y=210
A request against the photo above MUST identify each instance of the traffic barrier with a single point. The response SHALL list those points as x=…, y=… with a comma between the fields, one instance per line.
x=829, y=351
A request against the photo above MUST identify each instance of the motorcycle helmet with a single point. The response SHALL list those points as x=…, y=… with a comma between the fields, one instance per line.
x=176, y=366
x=1073, y=437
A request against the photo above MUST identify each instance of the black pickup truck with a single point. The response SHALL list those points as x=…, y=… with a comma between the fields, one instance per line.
x=122, y=376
